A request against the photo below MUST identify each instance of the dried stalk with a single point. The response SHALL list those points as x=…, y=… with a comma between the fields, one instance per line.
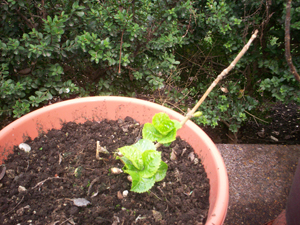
x=220, y=77
x=190, y=113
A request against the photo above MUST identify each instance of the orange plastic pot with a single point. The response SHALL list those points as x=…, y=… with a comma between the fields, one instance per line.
x=99, y=108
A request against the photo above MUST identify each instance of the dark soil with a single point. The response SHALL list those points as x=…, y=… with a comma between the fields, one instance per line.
x=40, y=187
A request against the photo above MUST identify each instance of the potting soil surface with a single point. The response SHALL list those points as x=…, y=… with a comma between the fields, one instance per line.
x=60, y=181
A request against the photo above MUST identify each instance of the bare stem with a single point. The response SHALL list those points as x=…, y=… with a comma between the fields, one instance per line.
x=219, y=77
x=190, y=113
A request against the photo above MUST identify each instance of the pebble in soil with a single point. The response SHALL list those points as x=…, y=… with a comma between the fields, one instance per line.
x=61, y=170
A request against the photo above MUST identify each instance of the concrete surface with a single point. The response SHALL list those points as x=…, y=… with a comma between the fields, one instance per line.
x=260, y=177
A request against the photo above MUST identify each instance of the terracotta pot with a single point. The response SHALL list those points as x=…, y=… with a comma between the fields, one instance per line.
x=98, y=108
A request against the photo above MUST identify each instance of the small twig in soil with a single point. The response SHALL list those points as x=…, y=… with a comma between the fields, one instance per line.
x=2, y=172
x=139, y=135
x=14, y=207
x=70, y=220
x=168, y=203
x=155, y=195
x=183, y=151
x=177, y=175
x=158, y=187
x=139, y=218
x=99, y=150
x=49, y=178
x=59, y=158
x=91, y=185
x=99, y=217
x=27, y=166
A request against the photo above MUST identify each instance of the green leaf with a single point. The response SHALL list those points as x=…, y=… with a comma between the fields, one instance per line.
x=34, y=85
x=106, y=84
x=49, y=96
x=49, y=19
x=177, y=124
x=134, y=155
x=92, y=52
x=171, y=136
x=144, y=144
x=140, y=184
x=75, y=5
x=80, y=14
x=143, y=163
x=152, y=134
x=149, y=132
x=127, y=164
x=161, y=172
x=151, y=159
x=162, y=123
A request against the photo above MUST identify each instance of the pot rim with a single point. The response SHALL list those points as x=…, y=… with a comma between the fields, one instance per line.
x=217, y=212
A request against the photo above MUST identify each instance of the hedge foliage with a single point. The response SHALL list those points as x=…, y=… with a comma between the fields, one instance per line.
x=59, y=49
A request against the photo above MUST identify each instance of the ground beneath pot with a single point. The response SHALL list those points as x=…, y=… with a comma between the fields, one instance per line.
x=280, y=126
x=260, y=178
x=61, y=182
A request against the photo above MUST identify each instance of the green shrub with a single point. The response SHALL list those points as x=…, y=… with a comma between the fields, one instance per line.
x=59, y=48
x=260, y=78
x=175, y=48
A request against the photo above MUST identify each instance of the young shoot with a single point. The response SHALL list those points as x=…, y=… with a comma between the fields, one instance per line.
x=143, y=163
x=162, y=129
x=141, y=160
